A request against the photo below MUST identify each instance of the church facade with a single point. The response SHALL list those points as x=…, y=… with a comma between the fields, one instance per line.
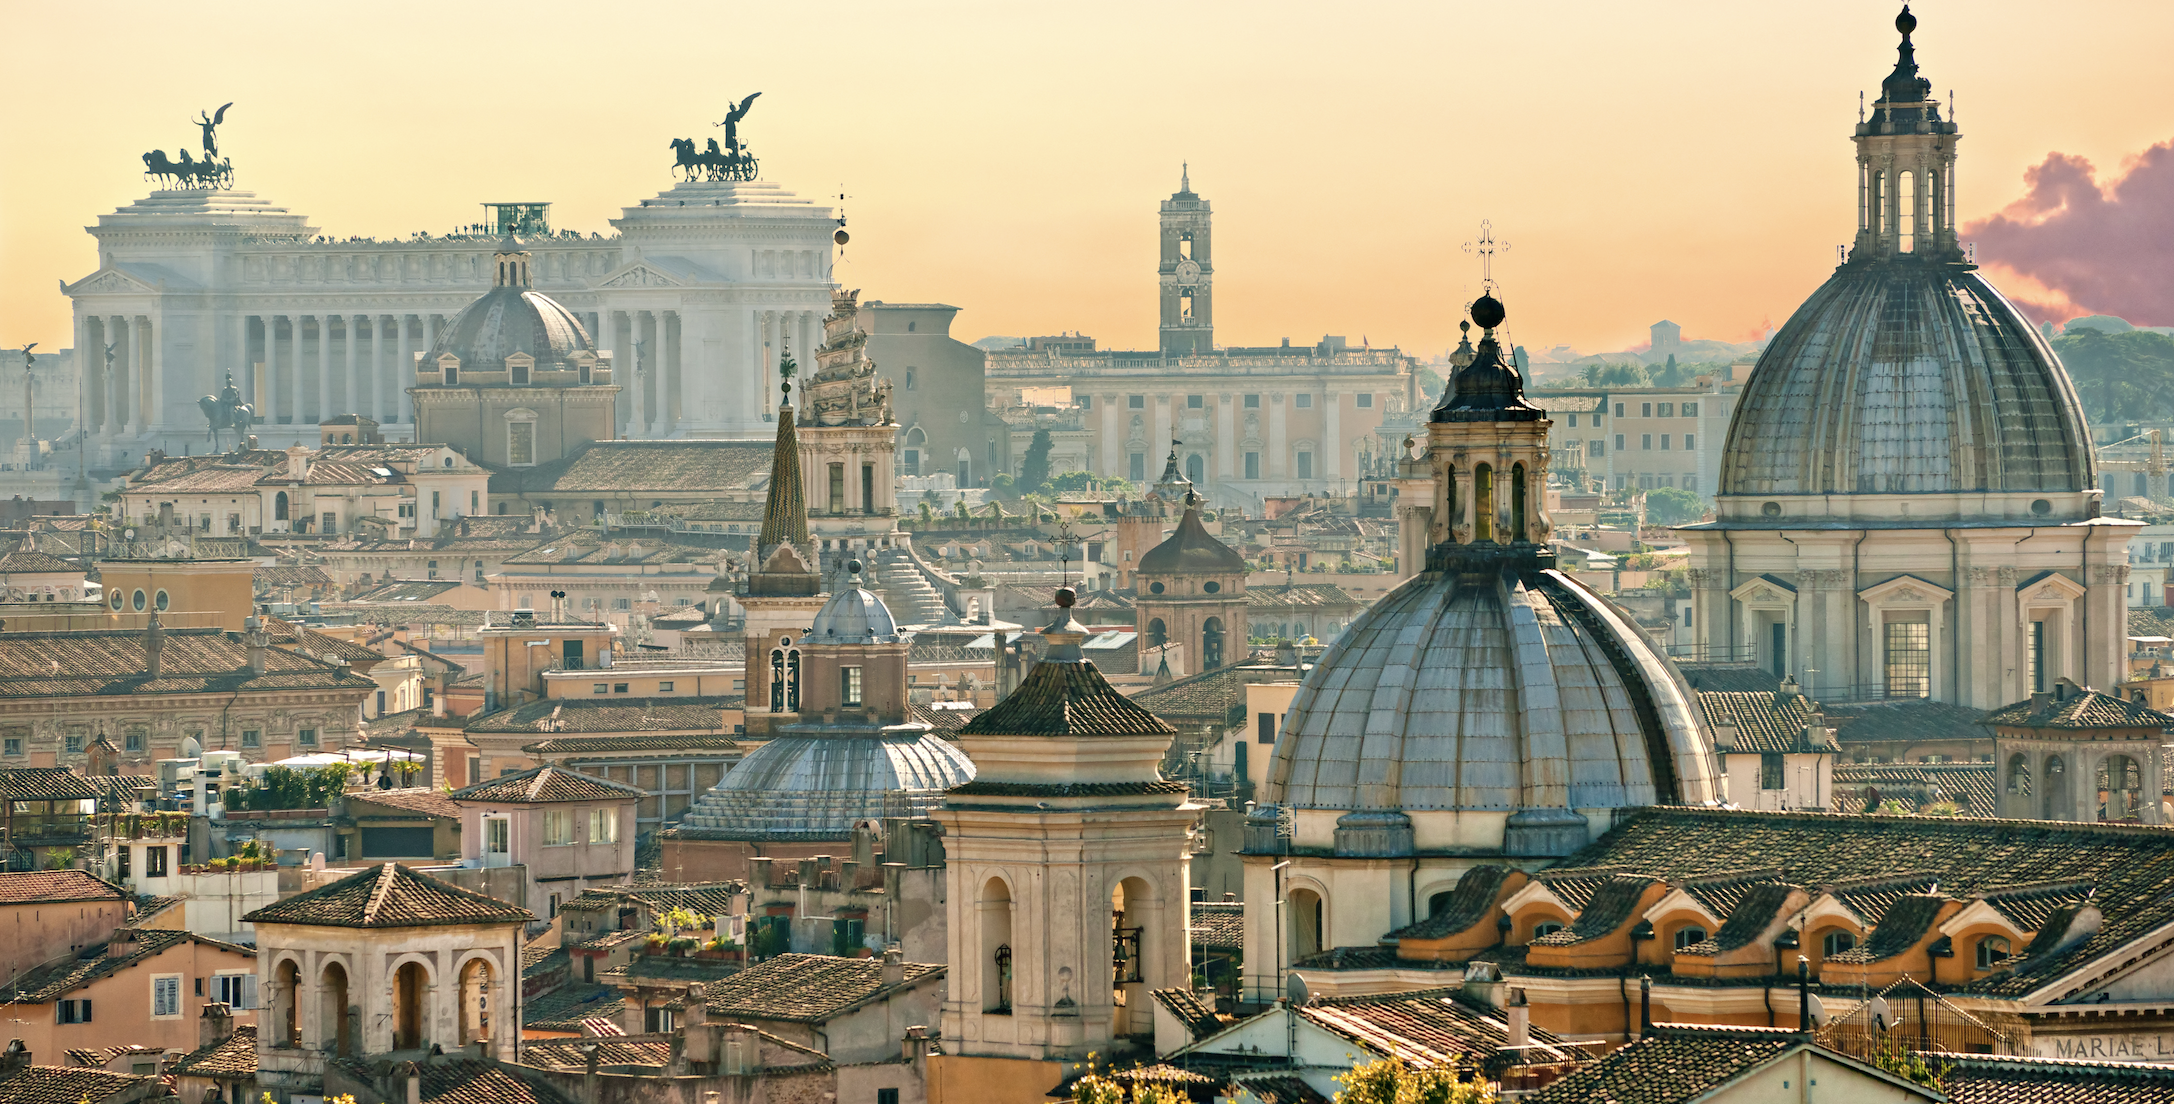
x=1908, y=504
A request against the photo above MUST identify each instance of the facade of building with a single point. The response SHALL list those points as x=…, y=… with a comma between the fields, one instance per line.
x=566, y=830
x=84, y=909
x=144, y=987
x=940, y=397
x=372, y=491
x=1908, y=502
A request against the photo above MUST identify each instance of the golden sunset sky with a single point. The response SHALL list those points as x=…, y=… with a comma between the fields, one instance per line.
x=1687, y=161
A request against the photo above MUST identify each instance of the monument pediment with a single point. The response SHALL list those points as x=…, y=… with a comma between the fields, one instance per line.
x=640, y=274
x=110, y=280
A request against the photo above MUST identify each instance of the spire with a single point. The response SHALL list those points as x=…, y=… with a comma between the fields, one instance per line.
x=1487, y=389
x=1904, y=85
x=785, y=513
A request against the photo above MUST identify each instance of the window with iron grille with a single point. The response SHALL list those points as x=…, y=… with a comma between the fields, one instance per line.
x=1909, y=659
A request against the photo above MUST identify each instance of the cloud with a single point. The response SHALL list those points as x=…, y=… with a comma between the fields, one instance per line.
x=2083, y=248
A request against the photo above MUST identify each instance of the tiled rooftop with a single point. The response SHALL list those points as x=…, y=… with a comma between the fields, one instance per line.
x=68, y=1085
x=389, y=896
x=1668, y=1067
x=192, y=661
x=56, y=979
x=547, y=785
x=1429, y=1025
x=574, y=716
x=803, y=988
x=1066, y=699
x=46, y=886
x=234, y=1058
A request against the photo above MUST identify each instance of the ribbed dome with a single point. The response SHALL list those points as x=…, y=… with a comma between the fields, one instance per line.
x=1507, y=690
x=1192, y=550
x=1907, y=377
x=854, y=615
x=509, y=320
x=820, y=786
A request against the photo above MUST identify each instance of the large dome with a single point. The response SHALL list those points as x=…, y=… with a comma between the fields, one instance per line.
x=1907, y=377
x=1492, y=687
x=819, y=787
x=513, y=318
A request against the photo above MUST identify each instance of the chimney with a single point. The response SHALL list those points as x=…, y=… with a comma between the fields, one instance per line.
x=216, y=1026
x=298, y=470
x=915, y=1046
x=259, y=643
x=1520, y=1018
x=1645, y=1007
x=122, y=944
x=154, y=642
x=1804, y=995
x=698, y=1010
x=591, y=1083
x=413, y=1075
x=15, y=1059
x=1788, y=689
x=894, y=966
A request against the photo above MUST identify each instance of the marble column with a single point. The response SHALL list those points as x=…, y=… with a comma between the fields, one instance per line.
x=141, y=339
x=396, y=373
x=295, y=398
x=1226, y=439
x=245, y=372
x=377, y=368
x=89, y=358
x=269, y=375
x=643, y=366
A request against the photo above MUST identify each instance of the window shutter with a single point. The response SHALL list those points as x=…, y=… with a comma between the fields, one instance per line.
x=249, y=990
x=83, y=1010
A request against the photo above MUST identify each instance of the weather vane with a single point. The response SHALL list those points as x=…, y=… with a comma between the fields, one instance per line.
x=1486, y=248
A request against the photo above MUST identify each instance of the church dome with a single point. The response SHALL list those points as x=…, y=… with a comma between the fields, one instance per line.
x=1192, y=550
x=1505, y=692
x=854, y=615
x=819, y=786
x=513, y=318
x=1901, y=376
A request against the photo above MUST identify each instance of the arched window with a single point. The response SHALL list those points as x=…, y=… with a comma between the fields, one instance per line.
x=1906, y=213
x=1690, y=935
x=1835, y=942
x=1306, y=918
x=286, y=987
x=2057, y=805
x=2120, y=790
x=777, y=680
x=1991, y=951
x=1185, y=245
x=1185, y=305
x=333, y=1017
x=1211, y=643
x=1158, y=633
x=279, y=506
x=1449, y=502
x=1483, y=502
x=2019, y=775
x=792, y=681
x=996, y=946
x=1517, y=503
x=1435, y=902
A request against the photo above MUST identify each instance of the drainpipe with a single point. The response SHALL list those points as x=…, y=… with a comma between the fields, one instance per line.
x=1645, y=1006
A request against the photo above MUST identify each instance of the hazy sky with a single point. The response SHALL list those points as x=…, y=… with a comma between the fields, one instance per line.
x=1687, y=161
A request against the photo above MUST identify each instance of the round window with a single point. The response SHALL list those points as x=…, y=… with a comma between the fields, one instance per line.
x=2041, y=507
x=136, y=600
x=1154, y=588
x=1771, y=509
x=160, y=601
x=785, y=642
x=115, y=599
x=1211, y=586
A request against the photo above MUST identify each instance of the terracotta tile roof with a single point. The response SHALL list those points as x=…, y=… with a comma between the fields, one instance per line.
x=547, y=785
x=102, y=662
x=649, y=1051
x=604, y=941
x=1990, y=1079
x=1765, y=722
x=1068, y=789
x=1908, y=787
x=679, y=468
x=407, y=590
x=55, y=979
x=31, y=561
x=633, y=745
x=232, y=1060
x=701, y=898
x=1669, y=1067
x=550, y=716
x=1209, y=697
x=1066, y=699
x=421, y=800
x=282, y=576
x=1274, y=597
x=44, y=784
x=564, y=1008
x=587, y=546
x=1739, y=677
x=945, y=721
x=1199, y=1019
x=1918, y=720
x=95, y=1057
x=2130, y=866
x=42, y=886
x=69, y=1085
x=1281, y=1088
x=389, y=895
x=1471, y=899
x=1429, y=1026
x=1219, y=924
x=2084, y=709
x=804, y=988
x=1721, y=893
x=466, y=1081
x=1746, y=920
x=1611, y=904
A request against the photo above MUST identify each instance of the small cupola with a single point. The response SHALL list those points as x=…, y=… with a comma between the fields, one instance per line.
x=513, y=262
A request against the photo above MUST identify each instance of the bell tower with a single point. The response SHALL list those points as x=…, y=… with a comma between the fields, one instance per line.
x=1186, y=274
x=1487, y=450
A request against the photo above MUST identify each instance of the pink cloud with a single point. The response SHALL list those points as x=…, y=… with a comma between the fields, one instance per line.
x=2084, y=247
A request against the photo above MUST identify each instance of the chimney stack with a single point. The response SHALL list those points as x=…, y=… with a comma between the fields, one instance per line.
x=216, y=1026
x=14, y=1060
x=894, y=966
x=1645, y=1006
x=413, y=1075
x=259, y=643
x=154, y=642
x=1520, y=1019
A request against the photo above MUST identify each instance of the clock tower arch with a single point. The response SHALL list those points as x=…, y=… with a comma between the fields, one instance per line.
x=1186, y=273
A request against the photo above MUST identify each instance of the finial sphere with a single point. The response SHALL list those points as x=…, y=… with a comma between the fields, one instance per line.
x=1464, y=327
x=1065, y=597
x=1487, y=311
x=1906, y=22
x=853, y=566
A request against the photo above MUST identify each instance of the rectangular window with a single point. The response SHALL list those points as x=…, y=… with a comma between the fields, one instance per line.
x=1690, y=441
x=306, y=737
x=1305, y=465
x=1690, y=482
x=1305, y=402
x=1645, y=410
x=1618, y=442
x=622, y=603
x=1252, y=402
x=1664, y=442
x=1645, y=441
x=664, y=686
x=252, y=737
x=558, y=827
x=1364, y=401
x=1596, y=447
x=837, y=488
x=1136, y=402
x=235, y=990
x=475, y=502
x=497, y=835
x=1573, y=421
x=154, y=862
x=1667, y=410
x=618, y=688
x=849, y=686
x=134, y=741
x=435, y=502
x=2035, y=660
x=1253, y=465
x=520, y=442
x=1136, y=467
x=1619, y=410
x=1086, y=402
x=600, y=688
x=1264, y=728
x=72, y=743
x=122, y=855
x=603, y=826
x=886, y=1096
x=1194, y=402
x=166, y=996
x=1771, y=774
x=1690, y=410
x=1909, y=659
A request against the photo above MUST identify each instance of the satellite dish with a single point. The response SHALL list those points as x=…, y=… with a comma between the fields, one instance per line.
x=1296, y=990
x=1880, y=1013
x=1819, y=1010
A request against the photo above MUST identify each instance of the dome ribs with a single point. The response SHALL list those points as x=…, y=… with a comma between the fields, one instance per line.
x=1660, y=757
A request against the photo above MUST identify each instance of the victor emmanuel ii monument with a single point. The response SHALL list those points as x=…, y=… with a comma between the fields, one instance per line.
x=698, y=290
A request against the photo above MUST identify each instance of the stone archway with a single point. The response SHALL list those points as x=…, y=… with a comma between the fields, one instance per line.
x=411, y=985
x=336, y=1033
x=476, y=976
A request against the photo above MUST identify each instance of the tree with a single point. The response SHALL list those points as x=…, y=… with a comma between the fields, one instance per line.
x=1892, y=1057
x=1034, y=469
x=2130, y=375
x=1673, y=506
x=1394, y=1081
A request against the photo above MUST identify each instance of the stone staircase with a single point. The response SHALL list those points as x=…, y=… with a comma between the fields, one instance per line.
x=912, y=600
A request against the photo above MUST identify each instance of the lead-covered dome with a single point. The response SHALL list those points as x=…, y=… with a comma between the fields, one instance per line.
x=819, y=787
x=1488, y=695
x=854, y=615
x=1901, y=376
x=1192, y=550
x=513, y=318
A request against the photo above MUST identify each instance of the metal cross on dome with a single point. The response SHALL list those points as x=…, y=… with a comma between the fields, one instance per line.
x=1486, y=248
